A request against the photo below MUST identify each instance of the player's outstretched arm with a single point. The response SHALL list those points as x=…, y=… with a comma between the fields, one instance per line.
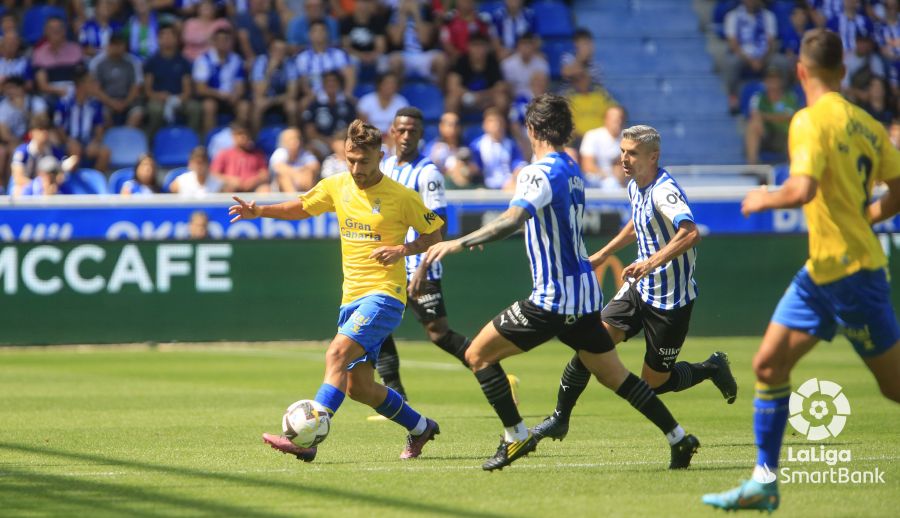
x=886, y=206
x=688, y=235
x=797, y=191
x=250, y=210
x=625, y=237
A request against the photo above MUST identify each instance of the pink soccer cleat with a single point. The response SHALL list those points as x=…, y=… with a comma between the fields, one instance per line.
x=284, y=445
x=415, y=443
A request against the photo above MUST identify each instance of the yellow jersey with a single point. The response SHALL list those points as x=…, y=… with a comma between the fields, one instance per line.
x=847, y=152
x=370, y=218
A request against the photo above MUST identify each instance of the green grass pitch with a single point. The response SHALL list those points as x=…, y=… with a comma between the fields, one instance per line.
x=176, y=431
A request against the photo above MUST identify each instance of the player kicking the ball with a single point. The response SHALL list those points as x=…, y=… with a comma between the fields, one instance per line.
x=838, y=152
x=659, y=291
x=374, y=214
x=565, y=300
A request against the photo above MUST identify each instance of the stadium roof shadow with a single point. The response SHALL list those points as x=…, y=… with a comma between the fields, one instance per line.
x=66, y=487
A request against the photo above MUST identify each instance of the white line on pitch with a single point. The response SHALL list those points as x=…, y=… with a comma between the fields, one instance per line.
x=319, y=357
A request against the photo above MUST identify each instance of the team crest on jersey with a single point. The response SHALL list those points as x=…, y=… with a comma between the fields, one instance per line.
x=376, y=206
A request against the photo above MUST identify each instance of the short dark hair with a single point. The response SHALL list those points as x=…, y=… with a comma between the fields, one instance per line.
x=223, y=30
x=317, y=22
x=478, y=38
x=166, y=27
x=239, y=129
x=582, y=33
x=363, y=136
x=410, y=111
x=118, y=37
x=335, y=74
x=822, y=50
x=381, y=77
x=549, y=117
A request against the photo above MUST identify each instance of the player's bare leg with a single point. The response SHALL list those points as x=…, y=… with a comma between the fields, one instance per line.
x=886, y=368
x=483, y=356
x=779, y=352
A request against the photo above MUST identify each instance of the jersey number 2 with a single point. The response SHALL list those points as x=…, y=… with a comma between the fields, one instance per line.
x=864, y=166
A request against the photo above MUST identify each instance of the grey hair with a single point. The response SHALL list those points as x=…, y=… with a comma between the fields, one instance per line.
x=643, y=135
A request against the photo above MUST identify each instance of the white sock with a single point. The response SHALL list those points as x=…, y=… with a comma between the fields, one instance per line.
x=420, y=427
x=763, y=474
x=515, y=433
x=676, y=435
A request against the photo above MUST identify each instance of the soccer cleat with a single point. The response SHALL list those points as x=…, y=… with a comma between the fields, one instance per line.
x=553, y=427
x=682, y=451
x=415, y=443
x=514, y=387
x=284, y=445
x=508, y=452
x=723, y=379
x=750, y=495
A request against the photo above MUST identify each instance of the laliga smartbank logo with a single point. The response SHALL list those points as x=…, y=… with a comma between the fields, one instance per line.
x=818, y=410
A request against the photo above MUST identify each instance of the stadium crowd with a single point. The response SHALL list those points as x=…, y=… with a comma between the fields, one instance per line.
x=256, y=95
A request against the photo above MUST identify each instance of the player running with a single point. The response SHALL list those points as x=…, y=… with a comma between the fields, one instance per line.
x=565, y=300
x=374, y=214
x=417, y=172
x=838, y=152
x=659, y=291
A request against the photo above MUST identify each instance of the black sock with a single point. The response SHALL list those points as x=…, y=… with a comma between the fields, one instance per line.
x=388, y=366
x=496, y=389
x=642, y=397
x=685, y=375
x=455, y=344
x=574, y=380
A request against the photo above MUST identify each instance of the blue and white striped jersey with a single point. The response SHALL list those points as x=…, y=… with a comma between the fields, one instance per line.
x=218, y=74
x=656, y=212
x=552, y=191
x=313, y=65
x=422, y=176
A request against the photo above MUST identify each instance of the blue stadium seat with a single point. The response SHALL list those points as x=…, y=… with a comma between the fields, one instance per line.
x=173, y=144
x=118, y=179
x=84, y=181
x=747, y=92
x=430, y=133
x=267, y=140
x=470, y=133
x=553, y=19
x=489, y=7
x=171, y=176
x=126, y=145
x=554, y=50
x=719, y=13
x=34, y=19
x=363, y=88
x=427, y=98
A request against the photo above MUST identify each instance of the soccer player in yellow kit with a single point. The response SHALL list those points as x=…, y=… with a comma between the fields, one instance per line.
x=374, y=215
x=838, y=152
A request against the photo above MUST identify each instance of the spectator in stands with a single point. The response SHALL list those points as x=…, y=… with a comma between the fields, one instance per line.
x=771, y=111
x=120, y=77
x=450, y=155
x=144, y=182
x=582, y=60
x=888, y=35
x=198, y=225
x=142, y=29
x=313, y=11
x=539, y=85
x=600, y=152
x=751, y=30
x=167, y=85
x=495, y=156
x=862, y=64
x=413, y=35
x=589, y=103
x=476, y=81
x=331, y=110
x=821, y=11
x=792, y=35
x=241, y=168
x=197, y=32
x=878, y=101
x=379, y=107
x=48, y=177
x=196, y=182
x=8, y=23
x=364, y=36
x=894, y=133
x=520, y=67
x=78, y=118
x=462, y=23
x=319, y=59
x=219, y=141
x=511, y=22
x=13, y=62
x=96, y=32
x=850, y=23
x=26, y=156
x=294, y=168
x=54, y=62
x=336, y=162
x=276, y=88
x=220, y=81
x=16, y=109
x=256, y=28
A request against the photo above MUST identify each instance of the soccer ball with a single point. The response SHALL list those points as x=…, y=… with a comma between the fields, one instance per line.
x=306, y=423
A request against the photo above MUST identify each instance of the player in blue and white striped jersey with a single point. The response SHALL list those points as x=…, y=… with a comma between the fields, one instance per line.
x=659, y=290
x=565, y=299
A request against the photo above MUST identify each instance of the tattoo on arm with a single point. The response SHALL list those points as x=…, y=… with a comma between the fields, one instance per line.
x=501, y=228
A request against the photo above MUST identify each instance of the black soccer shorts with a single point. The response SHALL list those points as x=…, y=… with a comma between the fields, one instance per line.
x=664, y=329
x=527, y=326
x=429, y=305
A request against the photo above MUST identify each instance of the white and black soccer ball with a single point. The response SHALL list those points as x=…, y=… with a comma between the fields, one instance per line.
x=306, y=423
